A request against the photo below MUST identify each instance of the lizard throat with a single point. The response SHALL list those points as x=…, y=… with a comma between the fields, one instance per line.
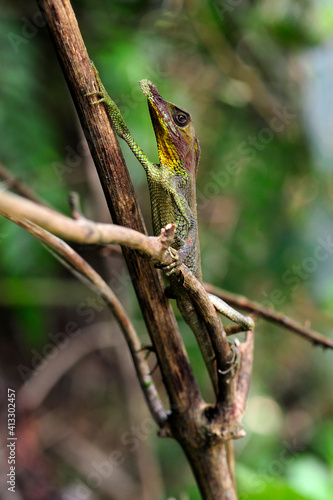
x=166, y=136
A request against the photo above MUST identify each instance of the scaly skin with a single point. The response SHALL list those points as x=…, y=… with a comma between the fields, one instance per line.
x=173, y=195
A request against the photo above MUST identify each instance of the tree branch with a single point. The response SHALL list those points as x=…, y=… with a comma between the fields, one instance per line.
x=19, y=186
x=269, y=315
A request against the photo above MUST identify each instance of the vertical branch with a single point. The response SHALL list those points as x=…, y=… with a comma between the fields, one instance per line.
x=118, y=189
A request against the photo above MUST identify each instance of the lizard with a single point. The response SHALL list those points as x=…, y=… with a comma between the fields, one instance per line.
x=172, y=189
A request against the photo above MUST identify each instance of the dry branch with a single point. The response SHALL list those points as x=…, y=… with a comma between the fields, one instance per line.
x=269, y=315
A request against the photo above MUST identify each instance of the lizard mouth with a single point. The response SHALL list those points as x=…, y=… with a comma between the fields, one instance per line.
x=159, y=109
x=166, y=132
x=156, y=102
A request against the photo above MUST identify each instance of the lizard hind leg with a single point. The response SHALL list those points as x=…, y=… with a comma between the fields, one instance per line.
x=243, y=323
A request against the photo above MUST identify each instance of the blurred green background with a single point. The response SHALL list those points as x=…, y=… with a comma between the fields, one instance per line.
x=257, y=78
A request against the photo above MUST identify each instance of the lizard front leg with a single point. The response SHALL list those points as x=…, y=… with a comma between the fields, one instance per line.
x=120, y=126
x=186, y=237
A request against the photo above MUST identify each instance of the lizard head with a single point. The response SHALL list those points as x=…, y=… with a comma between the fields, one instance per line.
x=177, y=143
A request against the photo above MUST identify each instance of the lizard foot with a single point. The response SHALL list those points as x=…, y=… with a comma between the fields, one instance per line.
x=171, y=268
x=99, y=93
x=234, y=361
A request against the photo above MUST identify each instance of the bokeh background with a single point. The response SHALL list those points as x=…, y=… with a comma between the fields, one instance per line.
x=257, y=78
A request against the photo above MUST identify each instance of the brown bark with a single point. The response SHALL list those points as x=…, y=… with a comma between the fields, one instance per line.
x=209, y=468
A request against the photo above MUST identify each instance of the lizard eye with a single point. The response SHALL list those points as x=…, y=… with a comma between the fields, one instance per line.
x=181, y=119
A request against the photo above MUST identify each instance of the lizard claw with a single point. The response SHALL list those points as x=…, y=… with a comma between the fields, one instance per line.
x=234, y=361
x=171, y=268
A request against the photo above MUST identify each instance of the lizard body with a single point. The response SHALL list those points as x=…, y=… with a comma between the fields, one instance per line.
x=172, y=196
x=172, y=189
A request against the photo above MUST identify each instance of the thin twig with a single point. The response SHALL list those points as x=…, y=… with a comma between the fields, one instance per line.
x=19, y=186
x=269, y=315
x=244, y=373
x=75, y=206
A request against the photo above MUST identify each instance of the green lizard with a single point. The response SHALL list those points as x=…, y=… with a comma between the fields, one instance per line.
x=172, y=188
